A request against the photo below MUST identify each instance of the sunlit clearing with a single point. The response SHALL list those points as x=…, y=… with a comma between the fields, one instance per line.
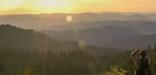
x=82, y=44
x=69, y=18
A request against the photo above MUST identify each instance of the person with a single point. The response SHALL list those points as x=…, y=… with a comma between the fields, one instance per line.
x=141, y=61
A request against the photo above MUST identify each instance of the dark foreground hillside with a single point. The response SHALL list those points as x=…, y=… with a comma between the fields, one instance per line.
x=76, y=62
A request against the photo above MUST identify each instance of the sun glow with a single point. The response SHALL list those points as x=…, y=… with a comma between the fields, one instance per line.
x=10, y=4
x=75, y=6
x=50, y=6
x=35, y=6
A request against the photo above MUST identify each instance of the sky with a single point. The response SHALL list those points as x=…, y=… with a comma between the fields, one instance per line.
x=75, y=6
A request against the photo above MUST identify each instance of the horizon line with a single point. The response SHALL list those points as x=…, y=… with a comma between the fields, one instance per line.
x=77, y=13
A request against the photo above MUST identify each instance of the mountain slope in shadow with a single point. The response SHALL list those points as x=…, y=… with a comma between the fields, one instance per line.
x=18, y=38
x=12, y=37
x=140, y=41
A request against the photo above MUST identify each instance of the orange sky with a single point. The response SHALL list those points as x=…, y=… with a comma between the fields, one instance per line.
x=75, y=6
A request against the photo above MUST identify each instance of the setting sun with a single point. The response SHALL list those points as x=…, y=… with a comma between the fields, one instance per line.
x=69, y=18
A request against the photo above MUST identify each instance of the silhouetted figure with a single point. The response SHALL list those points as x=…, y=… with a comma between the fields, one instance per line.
x=141, y=61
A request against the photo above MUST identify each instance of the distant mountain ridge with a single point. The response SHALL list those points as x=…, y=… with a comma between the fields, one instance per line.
x=95, y=36
x=99, y=29
x=109, y=33
x=141, y=41
x=55, y=21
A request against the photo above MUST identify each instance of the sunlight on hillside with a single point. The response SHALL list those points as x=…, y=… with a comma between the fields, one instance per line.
x=82, y=44
x=115, y=71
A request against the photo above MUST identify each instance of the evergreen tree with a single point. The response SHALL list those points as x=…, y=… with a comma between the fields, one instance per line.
x=149, y=48
x=154, y=47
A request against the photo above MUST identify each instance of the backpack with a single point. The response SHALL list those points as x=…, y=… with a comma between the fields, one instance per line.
x=144, y=67
x=144, y=64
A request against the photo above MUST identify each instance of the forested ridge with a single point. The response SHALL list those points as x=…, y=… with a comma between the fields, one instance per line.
x=19, y=56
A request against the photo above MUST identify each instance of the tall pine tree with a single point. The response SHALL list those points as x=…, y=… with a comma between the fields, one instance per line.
x=154, y=47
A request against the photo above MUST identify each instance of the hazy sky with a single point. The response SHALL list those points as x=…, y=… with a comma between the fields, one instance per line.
x=75, y=6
